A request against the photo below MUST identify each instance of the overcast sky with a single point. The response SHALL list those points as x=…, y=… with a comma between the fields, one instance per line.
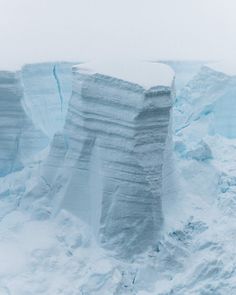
x=42, y=30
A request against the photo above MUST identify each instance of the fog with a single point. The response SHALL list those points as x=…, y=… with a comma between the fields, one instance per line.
x=85, y=29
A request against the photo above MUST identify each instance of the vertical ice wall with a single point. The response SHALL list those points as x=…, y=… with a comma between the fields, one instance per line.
x=112, y=149
x=47, y=88
x=19, y=139
x=209, y=96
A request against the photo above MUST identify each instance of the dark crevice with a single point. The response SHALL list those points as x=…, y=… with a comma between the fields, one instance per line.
x=58, y=86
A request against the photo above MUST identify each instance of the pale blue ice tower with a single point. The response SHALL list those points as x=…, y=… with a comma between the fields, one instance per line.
x=113, y=152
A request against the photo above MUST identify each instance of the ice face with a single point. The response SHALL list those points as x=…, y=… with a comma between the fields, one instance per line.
x=47, y=88
x=107, y=165
x=34, y=103
x=19, y=138
x=116, y=134
x=211, y=96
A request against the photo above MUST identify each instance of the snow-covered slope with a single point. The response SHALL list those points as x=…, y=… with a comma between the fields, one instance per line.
x=205, y=155
x=19, y=138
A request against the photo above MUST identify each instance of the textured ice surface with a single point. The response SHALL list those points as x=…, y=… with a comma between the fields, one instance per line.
x=45, y=254
x=110, y=157
x=47, y=88
x=33, y=104
x=184, y=70
x=19, y=138
x=210, y=95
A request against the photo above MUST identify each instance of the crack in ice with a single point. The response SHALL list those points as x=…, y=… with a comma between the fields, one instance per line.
x=58, y=85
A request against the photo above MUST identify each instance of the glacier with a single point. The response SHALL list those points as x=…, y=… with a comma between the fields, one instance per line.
x=50, y=237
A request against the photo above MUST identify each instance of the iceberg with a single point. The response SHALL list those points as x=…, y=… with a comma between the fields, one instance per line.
x=107, y=166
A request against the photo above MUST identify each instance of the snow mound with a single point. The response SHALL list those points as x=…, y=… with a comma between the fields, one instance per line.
x=145, y=74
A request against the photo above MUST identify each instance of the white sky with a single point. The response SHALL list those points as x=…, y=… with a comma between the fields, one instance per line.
x=42, y=30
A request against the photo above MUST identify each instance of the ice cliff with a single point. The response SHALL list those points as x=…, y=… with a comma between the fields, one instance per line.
x=19, y=138
x=47, y=90
x=33, y=108
x=110, y=156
